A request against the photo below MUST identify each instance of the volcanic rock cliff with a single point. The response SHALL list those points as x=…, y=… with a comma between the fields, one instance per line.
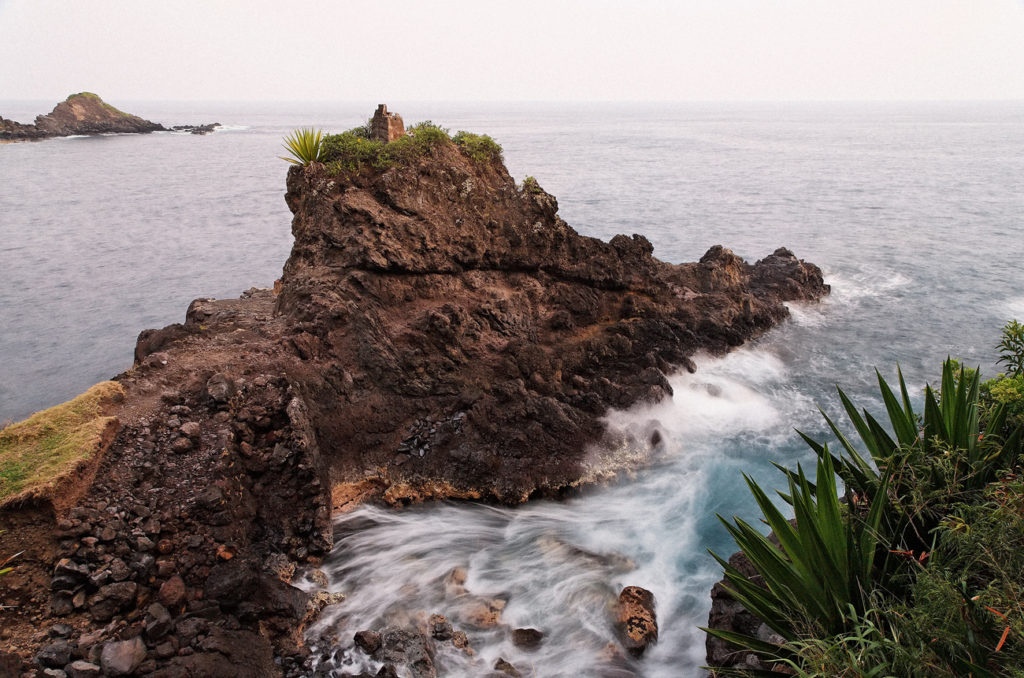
x=438, y=331
x=468, y=341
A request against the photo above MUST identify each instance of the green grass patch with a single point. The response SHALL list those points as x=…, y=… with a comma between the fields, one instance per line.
x=354, y=151
x=39, y=451
x=96, y=97
x=480, y=147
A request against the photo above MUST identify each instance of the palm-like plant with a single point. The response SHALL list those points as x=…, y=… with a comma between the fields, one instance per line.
x=304, y=146
x=824, y=568
x=828, y=566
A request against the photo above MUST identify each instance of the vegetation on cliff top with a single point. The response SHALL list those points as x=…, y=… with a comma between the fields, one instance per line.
x=37, y=452
x=917, y=570
x=96, y=97
x=355, y=150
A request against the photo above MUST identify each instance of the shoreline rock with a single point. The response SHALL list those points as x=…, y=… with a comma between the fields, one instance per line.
x=87, y=114
x=438, y=332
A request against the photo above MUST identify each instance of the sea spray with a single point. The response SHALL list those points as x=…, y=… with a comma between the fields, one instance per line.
x=558, y=566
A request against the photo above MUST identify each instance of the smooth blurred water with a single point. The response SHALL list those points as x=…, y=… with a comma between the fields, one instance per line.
x=914, y=212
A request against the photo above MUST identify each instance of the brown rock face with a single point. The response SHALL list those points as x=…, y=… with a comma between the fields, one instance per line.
x=437, y=332
x=469, y=341
x=86, y=113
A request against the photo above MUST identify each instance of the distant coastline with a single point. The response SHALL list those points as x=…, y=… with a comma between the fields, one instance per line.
x=86, y=113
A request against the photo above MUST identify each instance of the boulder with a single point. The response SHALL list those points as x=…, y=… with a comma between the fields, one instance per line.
x=122, y=657
x=636, y=621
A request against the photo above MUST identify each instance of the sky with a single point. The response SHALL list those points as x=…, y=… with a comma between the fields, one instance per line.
x=527, y=50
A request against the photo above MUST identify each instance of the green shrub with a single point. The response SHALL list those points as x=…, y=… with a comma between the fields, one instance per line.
x=1011, y=348
x=304, y=145
x=354, y=150
x=530, y=185
x=479, y=147
x=918, y=571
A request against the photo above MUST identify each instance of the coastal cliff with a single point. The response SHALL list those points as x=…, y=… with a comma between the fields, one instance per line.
x=438, y=331
x=84, y=114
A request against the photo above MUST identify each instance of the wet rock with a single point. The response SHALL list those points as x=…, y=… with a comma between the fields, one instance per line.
x=460, y=640
x=112, y=599
x=485, y=614
x=505, y=667
x=636, y=621
x=527, y=638
x=440, y=628
x=728, y=614
x=122, y=657
x=367, y=641
x=409, y=648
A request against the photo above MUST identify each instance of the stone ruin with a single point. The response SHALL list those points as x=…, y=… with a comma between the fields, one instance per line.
x=386, y=126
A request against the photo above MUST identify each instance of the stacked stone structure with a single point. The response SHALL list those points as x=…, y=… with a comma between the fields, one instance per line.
x=386, y=126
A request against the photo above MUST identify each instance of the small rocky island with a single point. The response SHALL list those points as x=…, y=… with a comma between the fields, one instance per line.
x=438, y=332
x=85, y=113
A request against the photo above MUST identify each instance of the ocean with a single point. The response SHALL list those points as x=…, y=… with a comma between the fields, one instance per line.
x=915, y=213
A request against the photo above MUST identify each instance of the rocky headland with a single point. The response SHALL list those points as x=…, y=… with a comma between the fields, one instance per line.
x=85, y=114
x=438, y=332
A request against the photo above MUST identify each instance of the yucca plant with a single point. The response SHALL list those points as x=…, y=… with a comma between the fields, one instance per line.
x=826, y=564
x=944, y=450
x=304, y=146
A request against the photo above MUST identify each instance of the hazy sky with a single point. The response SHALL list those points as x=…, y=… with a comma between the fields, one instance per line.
x=473, y=50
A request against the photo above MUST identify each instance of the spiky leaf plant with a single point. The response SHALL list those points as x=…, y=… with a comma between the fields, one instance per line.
x=304, y=146
x=825, y=567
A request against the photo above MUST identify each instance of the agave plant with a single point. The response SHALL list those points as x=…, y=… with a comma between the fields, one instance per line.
x=830, y=564
x=950, y=423
x=304, y=146
x=824, y=567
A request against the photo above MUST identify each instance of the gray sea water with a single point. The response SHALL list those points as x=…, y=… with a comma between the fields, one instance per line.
x=915, y=212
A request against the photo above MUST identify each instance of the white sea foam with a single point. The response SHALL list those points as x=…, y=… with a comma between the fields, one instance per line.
x=853, y=286
x=1015, y=308
x=560, y=565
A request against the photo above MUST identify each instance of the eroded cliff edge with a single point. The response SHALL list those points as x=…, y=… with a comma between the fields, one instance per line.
x=438, y=332
x=467, y=341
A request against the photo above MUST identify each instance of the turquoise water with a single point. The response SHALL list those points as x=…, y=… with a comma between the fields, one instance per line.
x=914, y=212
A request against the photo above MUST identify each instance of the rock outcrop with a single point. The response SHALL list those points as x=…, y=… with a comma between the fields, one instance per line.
x=636, y=620
x=86, y=113
x=470, y=341
x=438, y=332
